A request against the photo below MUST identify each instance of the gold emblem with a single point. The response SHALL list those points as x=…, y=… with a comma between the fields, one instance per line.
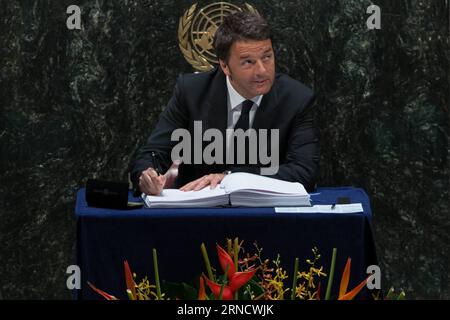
x=196, y=32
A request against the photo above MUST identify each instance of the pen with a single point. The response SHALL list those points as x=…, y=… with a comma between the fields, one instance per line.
x=156, y=164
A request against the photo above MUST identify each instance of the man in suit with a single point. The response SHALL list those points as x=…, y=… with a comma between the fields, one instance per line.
x=243, y=92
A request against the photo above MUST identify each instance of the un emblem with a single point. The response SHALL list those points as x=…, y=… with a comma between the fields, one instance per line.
x=196, y=32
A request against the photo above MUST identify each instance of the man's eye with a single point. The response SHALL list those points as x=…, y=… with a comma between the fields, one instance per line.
x=247, y=62
x=267, y=57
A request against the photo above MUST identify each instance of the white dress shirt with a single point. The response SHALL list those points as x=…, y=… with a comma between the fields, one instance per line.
x=235, y=101
x=235, y=106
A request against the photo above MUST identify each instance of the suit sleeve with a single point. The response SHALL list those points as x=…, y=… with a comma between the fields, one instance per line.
x=302, y=157
x=174, y=116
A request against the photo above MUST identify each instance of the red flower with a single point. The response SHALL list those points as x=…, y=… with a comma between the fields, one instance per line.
x=227, y=294
x=105, y=295
x=131, y=285
x=235, y=279
x=226, y=262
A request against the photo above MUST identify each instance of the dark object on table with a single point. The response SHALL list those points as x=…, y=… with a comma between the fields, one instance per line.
x=107, y=194
x=343, y=200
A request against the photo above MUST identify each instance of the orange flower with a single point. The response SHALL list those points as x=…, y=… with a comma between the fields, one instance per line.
x=344, y=284
x=201, y=291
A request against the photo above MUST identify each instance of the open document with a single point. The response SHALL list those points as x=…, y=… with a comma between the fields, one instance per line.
x=236, y=189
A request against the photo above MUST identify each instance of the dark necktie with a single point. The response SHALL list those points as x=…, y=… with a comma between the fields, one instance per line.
x=244, y=120
x=244, y=124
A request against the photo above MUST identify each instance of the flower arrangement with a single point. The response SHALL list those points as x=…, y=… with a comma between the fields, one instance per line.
x=249, y=278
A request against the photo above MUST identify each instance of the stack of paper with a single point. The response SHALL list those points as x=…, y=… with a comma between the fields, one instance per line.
x=236, y=189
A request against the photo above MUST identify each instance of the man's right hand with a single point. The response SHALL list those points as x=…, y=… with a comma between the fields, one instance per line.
x=150, y=183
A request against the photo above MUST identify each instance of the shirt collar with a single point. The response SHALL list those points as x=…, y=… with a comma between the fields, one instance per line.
x=236, y=99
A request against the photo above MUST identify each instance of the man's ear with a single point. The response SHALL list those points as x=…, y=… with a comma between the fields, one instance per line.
x=224, y=67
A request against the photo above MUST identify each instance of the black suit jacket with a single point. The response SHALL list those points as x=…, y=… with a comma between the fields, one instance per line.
x=288, y=106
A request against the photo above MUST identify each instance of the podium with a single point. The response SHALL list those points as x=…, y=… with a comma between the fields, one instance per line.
x=107, y=237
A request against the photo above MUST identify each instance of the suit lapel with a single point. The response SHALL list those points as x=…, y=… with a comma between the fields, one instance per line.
x=216, y=103
x=264, y=113
x=216, y=109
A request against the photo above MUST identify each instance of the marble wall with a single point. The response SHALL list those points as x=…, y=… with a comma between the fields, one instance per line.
x=77, y=103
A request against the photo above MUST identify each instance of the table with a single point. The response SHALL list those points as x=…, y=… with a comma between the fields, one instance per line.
x=107, y=237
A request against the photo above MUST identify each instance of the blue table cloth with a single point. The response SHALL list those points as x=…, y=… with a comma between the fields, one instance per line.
x=107, y=237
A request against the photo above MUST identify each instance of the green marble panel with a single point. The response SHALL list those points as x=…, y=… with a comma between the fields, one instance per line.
x=78, y=103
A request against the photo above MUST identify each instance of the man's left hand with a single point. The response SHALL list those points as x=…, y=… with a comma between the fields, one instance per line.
x=211, y=179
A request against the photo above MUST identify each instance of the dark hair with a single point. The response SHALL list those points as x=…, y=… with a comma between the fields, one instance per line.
x=241, y=25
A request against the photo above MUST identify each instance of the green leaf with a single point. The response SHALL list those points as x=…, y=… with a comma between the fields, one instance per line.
x=183, y=291
x=294, y=279
x=331, y=275
x=401, y=296
x=390, y=294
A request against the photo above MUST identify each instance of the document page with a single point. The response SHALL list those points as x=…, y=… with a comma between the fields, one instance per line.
x=264, y=185
x=177, y=198
x=177, y=195
x=338, y=208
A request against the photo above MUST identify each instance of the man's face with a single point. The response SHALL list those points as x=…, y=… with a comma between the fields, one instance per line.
x=250, y=67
